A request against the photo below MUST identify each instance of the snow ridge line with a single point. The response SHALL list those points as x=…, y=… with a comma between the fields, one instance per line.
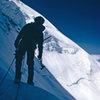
x=77, y=82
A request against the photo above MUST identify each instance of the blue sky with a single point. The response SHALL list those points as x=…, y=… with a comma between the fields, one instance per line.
x=77, y=19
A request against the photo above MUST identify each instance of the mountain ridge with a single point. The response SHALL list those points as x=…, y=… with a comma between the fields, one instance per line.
x=71, y=66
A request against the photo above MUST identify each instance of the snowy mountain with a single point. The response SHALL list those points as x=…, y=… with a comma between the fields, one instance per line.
x=70, y=73
x=97, y=57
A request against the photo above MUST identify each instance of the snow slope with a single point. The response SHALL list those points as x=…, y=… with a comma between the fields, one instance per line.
x=72, y=73
x=9, y=92
x=97, y=57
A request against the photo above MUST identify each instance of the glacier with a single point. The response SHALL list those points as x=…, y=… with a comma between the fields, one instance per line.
x=70, y=74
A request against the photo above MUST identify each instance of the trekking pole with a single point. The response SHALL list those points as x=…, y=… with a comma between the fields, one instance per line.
x=7, y=71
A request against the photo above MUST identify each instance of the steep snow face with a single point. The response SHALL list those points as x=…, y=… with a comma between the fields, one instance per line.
x=35, y=93
x=75, y=70
x=97, y=57
x=11, y=20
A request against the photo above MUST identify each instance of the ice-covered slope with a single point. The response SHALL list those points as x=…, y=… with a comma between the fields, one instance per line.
x=73, y=69
x=97, y=57
x=27, y=92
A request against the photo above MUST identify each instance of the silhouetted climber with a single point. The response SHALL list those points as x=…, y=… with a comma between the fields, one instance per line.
x=30, y=36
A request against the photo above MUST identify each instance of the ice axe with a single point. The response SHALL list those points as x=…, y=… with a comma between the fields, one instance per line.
x=42, y=65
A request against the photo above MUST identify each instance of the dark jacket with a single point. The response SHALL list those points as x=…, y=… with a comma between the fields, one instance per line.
x=30, y=36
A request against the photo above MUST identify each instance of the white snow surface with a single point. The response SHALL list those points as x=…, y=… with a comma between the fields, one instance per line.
x=96, y=56
x=70, y=73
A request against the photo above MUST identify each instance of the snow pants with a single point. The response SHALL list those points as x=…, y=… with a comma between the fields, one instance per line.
x=19, y=55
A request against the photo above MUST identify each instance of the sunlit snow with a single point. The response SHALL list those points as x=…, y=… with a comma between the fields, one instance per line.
x=73, y=73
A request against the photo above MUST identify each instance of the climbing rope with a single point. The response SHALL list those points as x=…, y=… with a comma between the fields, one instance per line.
x=7, y=71
x=23, y=64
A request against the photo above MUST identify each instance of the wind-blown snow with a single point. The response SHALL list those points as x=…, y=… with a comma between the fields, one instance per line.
x=73, y=73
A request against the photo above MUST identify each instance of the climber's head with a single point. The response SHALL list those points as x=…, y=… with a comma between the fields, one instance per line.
x=39, y=20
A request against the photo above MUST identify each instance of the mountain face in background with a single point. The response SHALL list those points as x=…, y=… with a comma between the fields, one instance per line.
x=70, y=73
x=97, y=57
